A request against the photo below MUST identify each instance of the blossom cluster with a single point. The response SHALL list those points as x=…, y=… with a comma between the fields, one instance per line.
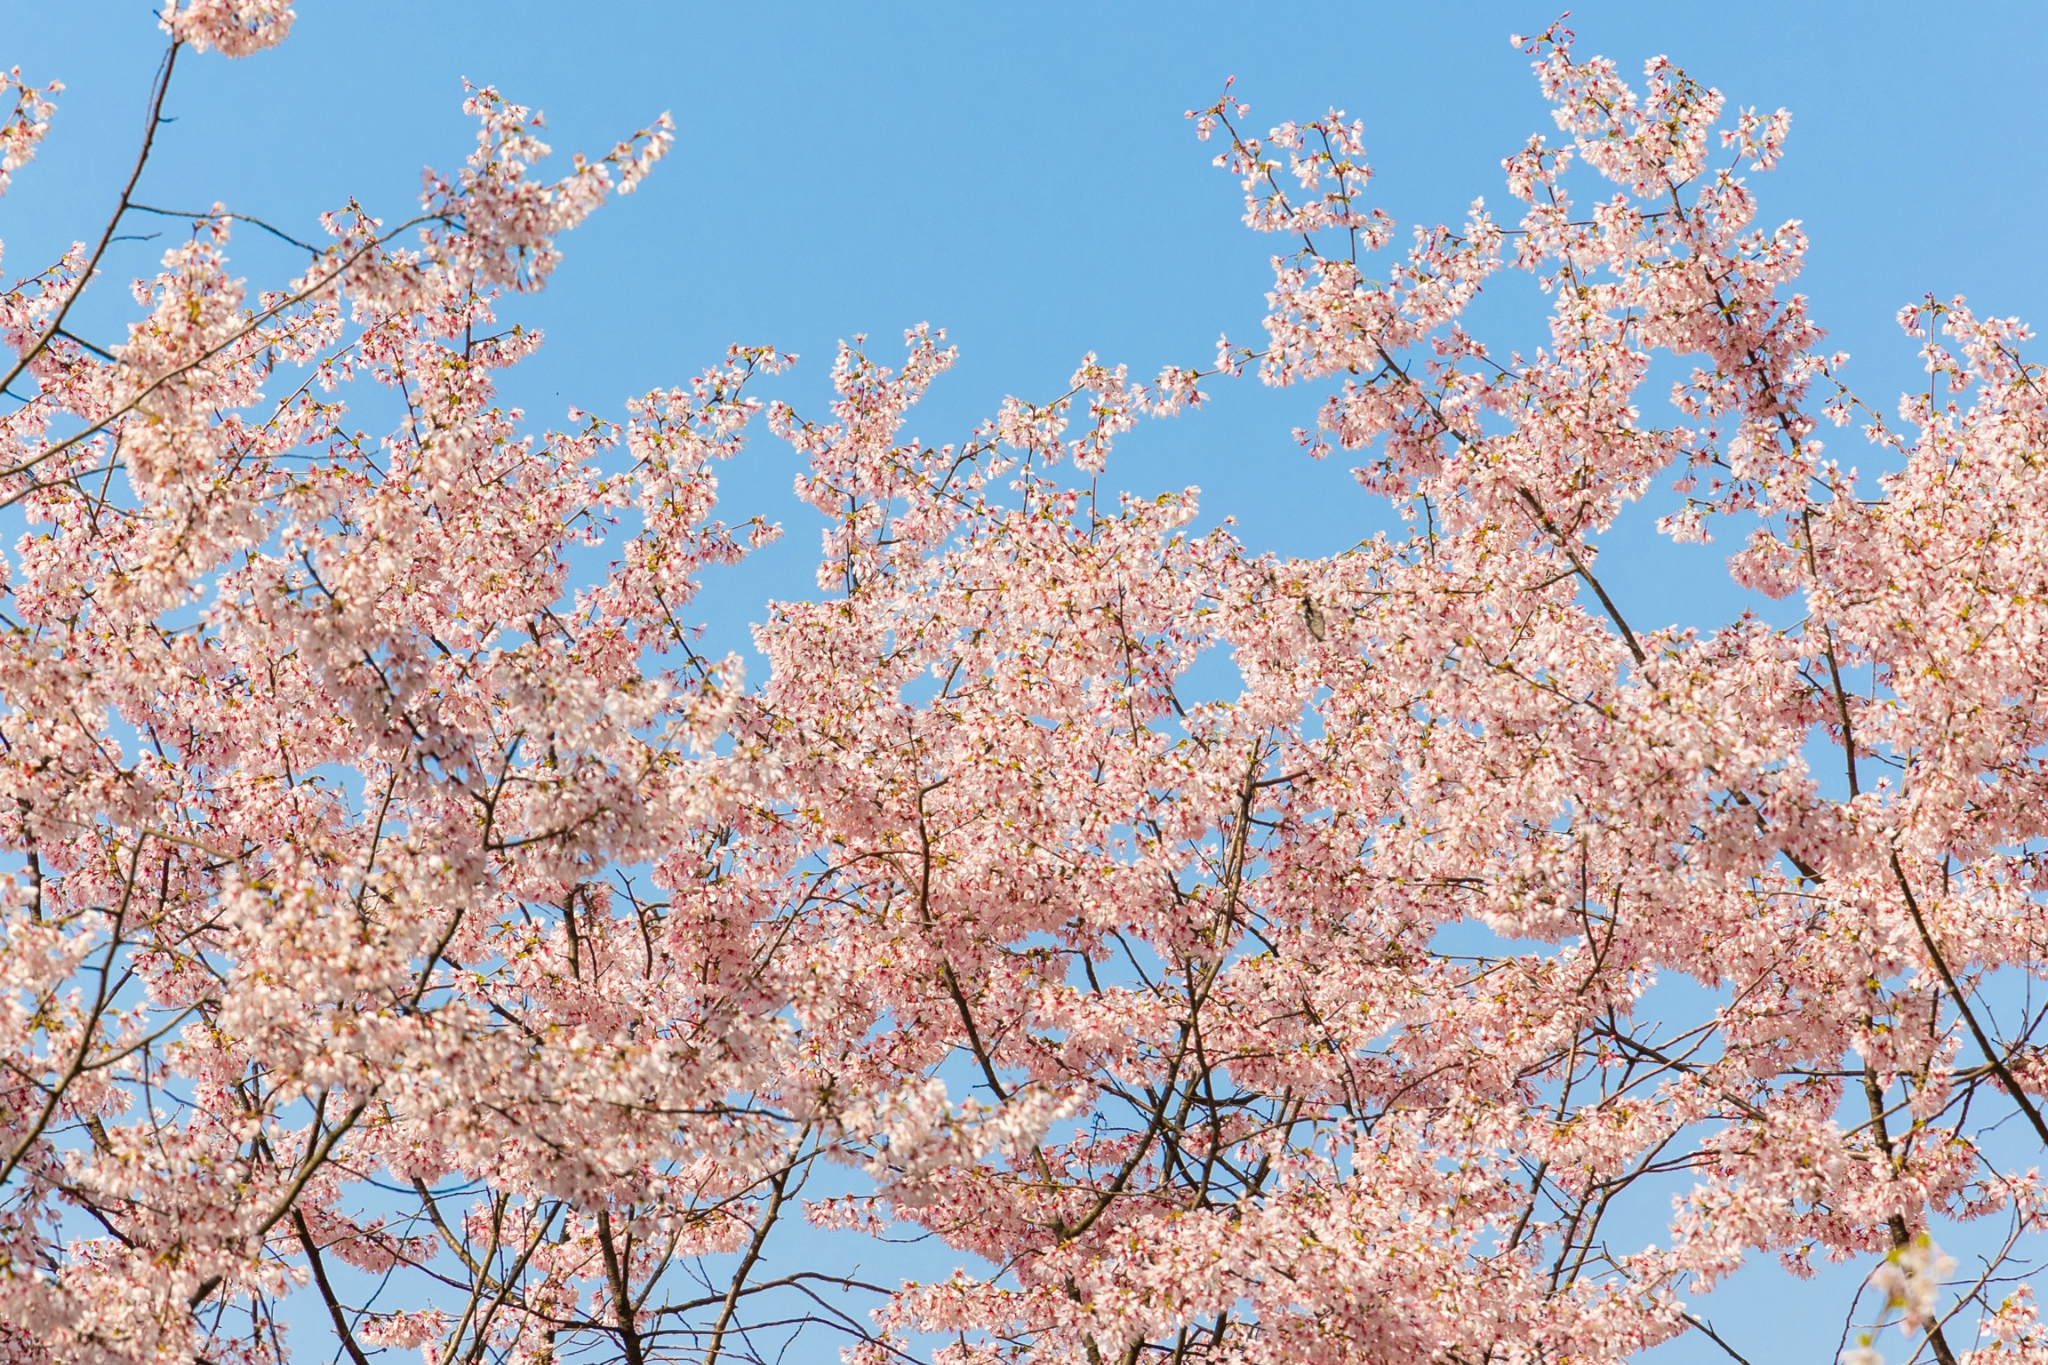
x=414, y=943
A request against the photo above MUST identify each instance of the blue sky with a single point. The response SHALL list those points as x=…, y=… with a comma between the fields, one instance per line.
x=1023, y=177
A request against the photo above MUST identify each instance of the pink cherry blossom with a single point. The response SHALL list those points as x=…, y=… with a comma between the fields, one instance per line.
x=26, y=124
x=412, y=941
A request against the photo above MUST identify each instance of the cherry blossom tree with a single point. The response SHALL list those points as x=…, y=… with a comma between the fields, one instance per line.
x=414, y=943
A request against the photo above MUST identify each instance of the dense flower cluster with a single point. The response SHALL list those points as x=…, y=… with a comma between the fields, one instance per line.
x=415, y=944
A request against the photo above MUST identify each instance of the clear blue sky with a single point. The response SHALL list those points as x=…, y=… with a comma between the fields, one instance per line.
x=1022, y=175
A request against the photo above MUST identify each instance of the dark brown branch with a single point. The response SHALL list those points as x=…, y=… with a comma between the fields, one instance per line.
x=1991, y=1054
x=156, y=114
x=617, y=1271
x=777, y=1187
x=334, y=1311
